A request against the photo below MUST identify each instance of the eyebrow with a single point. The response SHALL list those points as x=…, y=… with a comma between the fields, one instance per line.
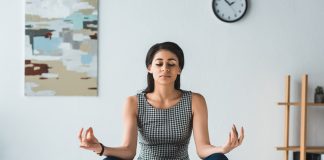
x=170, y=59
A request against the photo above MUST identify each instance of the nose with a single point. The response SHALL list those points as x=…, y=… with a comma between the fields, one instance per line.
x=164, y=68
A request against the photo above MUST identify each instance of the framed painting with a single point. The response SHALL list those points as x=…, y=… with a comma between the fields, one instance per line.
x=61, y=47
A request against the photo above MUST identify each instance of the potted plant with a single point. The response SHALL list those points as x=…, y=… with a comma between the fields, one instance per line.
x=319, y=95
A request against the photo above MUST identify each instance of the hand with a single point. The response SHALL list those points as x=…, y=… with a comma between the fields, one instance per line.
x=89, y=141
x=233, y=140
x=232, y=3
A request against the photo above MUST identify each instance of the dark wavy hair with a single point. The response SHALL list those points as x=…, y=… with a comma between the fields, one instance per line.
x=170, y=46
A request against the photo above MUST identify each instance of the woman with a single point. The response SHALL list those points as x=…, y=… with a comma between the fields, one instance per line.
x=164, y=116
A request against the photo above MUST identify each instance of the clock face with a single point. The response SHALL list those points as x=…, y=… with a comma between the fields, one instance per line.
x=229, y=10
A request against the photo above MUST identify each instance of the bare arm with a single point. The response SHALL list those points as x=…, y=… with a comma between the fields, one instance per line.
x=128, y=148
x=200, y=130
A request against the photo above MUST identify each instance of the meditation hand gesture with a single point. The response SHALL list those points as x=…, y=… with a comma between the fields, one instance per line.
x=233, y=140
x=89, y=141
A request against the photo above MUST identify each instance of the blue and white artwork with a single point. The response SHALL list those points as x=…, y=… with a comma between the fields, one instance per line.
x=61, y=47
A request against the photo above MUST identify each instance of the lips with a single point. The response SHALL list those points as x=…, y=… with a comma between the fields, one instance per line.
x=167, y=76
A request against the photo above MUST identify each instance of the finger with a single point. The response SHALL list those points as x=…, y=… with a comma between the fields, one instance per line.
x=240, y=139
x=242, y=135
x=233, y=139
x=238, y=142
x=80, y=134
x=231, y=135
x=86, y=134
x=91, y=132
x=229, y=139
x=235, y=130
x=234, y=134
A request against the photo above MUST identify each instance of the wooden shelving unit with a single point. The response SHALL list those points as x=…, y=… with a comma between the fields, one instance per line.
x=304, y=104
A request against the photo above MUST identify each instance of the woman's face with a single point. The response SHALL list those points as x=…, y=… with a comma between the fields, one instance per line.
x=164, y=67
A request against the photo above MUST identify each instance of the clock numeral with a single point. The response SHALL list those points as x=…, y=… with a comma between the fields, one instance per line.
x=240, y=11
x=222, y=15
x=235, y=15
x=229, y=17
x=217, y=11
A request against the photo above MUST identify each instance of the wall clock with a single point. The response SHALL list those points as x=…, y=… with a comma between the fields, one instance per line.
x=229, y=10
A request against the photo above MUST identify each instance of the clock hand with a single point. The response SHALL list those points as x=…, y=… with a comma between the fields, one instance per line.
x=227, y=2
x=232, y=8
x=230, y=4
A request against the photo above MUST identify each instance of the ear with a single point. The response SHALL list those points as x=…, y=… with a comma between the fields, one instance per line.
x=179, y=72
x=149, y=68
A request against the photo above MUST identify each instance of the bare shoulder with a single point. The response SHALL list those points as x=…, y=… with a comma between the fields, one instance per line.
x=130, y=104
x=197, y=98
x=198, y=102
x=131, y=100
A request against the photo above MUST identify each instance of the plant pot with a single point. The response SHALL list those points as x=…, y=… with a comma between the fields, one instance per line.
x=319, y=98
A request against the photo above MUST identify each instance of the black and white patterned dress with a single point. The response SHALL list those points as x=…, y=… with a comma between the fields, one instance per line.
x=164, y=134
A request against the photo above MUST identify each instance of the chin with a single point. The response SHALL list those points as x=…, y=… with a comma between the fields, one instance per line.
x=166, y=82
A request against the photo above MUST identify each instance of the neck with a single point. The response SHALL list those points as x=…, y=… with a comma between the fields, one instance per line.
x=165, y=92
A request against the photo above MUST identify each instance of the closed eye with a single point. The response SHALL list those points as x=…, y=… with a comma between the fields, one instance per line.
x=161, y=64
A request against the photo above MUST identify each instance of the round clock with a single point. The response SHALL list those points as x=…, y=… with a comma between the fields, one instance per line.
x=229, y=10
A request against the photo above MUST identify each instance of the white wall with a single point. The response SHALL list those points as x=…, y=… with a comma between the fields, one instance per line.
x=238, y=67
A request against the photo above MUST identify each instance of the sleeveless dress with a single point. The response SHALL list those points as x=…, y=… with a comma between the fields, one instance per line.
x=164, y=134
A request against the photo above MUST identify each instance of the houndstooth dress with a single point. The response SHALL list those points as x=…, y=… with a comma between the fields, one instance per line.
x=164, y=134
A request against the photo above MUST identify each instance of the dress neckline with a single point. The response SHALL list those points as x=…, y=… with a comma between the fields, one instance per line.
x=168, y=108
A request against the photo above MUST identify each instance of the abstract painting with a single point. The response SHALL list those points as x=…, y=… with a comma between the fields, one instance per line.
x=61, y=47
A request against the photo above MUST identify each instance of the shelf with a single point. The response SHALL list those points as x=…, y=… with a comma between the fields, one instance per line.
x=313, y=149
x=303, y=104
x=298, y=104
